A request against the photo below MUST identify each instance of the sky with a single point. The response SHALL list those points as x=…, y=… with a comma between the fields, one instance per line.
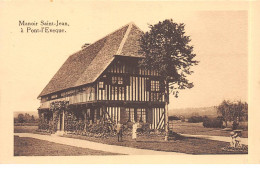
x=29, y=61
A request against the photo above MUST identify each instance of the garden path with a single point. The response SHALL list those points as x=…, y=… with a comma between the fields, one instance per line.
x=96, y=146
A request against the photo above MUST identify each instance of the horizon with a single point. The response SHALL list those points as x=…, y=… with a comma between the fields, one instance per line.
x=35, y=113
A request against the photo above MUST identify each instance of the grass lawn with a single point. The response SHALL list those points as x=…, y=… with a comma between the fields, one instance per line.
x=198, y=129
x=26, y=124
x=187, y=145
x=35, y=147
x=25, y=129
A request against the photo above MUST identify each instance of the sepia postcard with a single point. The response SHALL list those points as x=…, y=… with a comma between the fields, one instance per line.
x=140, y=82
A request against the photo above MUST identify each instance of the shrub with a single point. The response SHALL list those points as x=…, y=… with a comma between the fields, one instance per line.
x=21, y=118
x=174, y=118
x=44, y=125
x=140, y=130
x=234, y=125
x=243, y=125
x=212, y=122
x=175, y=136
x=100, y=128
x=195, y=119
x=74, y=126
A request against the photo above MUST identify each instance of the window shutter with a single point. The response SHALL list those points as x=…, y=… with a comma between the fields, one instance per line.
x=149, y=115
x=123, y=115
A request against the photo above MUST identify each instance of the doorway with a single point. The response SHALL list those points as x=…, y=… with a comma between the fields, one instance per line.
x=60, y=125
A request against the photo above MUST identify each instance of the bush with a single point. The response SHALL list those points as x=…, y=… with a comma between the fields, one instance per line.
x=143, y=128
x=105, y=128
x=195, y=119
x=44, y=126
x=175, y=136
x=174, y=118
x=212, y=123
x=234, y=125
x=140, y=130
x=74, y=126
x=243, y=125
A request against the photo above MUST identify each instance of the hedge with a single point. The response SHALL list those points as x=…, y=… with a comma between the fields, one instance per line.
x=212, y=122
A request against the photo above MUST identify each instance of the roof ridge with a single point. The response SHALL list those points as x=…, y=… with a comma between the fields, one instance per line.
x=130, y=25
x=97, y=41
x=95, y=59
x=106, y=35
x=137, y=27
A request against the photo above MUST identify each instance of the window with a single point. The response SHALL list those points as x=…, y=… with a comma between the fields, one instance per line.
x=114, y=80
x=141, y=115
x=117, y=80
x=136, y=114
x=101, y=84
x=44, y=99
x=131, y=113
x=54, y=96
x=120, y=80
x=81, y=97
x=63, y=94
x=155, y=85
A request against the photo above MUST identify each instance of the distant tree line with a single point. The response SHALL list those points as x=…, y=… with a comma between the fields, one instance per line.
x=228, y=111
x=233, y=112
x=25, y=118
x=174, y=118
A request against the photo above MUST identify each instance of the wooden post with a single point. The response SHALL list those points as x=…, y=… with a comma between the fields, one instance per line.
x=166, y=123
x=59, y=121
x=53, y=121
x=63, y=121
x=85, y=119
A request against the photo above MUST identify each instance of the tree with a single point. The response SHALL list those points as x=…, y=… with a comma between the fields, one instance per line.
x=27, y=118
x=232, y=111
x=240, y=110
x=225, y=110
x=21, y=118
x=166, y=49
x=32, y=119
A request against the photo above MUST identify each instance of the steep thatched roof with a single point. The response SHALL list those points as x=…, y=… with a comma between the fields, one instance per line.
x=86, y=65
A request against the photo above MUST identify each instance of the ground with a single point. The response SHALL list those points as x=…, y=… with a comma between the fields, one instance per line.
x=25, y=129
x=189, y=145
x=36, y=147
x=198, y=129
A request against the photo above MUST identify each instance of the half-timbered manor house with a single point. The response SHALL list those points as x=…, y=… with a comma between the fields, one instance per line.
x=103, y=80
